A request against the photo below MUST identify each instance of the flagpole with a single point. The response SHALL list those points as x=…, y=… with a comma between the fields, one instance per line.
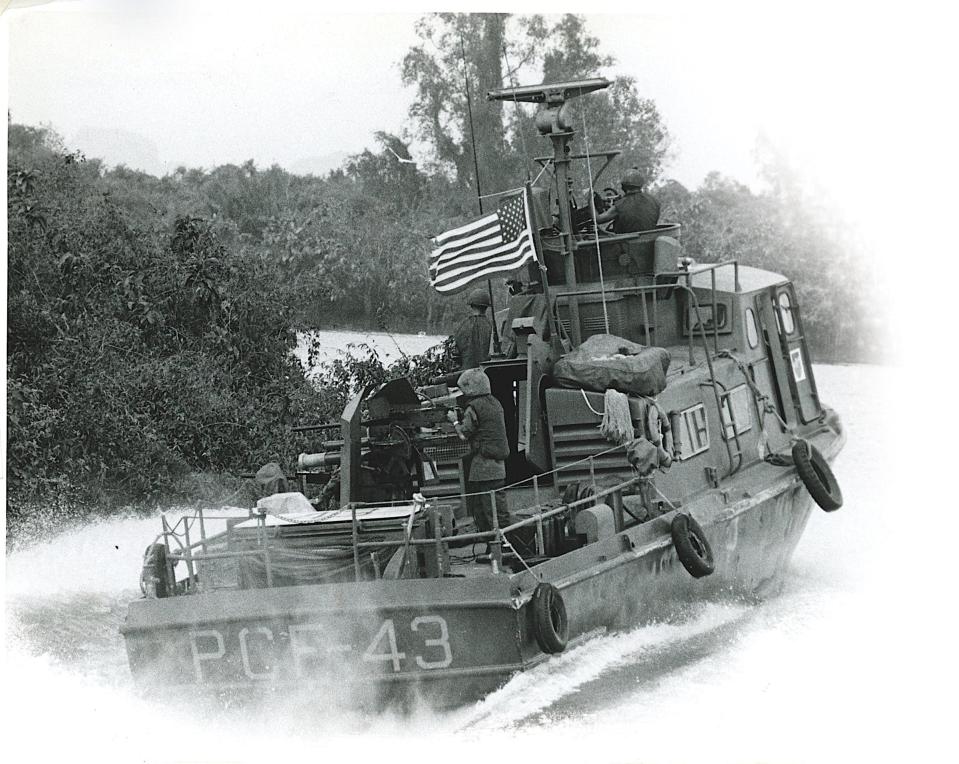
x=497, y=348
x=555, y=339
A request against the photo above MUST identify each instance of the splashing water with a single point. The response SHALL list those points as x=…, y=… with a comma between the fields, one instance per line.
x=805, y=676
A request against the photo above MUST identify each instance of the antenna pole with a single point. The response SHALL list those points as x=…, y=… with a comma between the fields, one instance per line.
x=497, y=347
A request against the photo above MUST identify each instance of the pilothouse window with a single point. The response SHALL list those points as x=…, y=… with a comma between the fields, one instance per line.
x=752, y=332
x=786, y=313
x=706, y=314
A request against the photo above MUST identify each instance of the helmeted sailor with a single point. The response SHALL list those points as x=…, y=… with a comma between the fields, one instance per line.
x=484, y=428
x=636, y=210
x=473, y=335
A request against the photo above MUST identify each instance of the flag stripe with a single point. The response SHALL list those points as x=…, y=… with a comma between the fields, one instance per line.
x=496, y=243
x=458, y=284
x=465, y=230
x=493, y=245
x=451, y=251
x=477, y=234
x=509, y=261
x=500, y=253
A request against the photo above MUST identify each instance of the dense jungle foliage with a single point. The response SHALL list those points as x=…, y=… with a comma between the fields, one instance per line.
x=150, y=320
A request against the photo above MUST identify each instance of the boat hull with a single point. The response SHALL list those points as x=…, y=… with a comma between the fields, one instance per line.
x=452, y=640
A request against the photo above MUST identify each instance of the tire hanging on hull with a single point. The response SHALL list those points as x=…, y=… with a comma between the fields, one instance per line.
x=153, y=575
x=692, y=548
x=817, y=475
x=550, y=623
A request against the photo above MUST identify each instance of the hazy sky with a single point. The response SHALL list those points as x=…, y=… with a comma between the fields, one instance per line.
x=158, y=84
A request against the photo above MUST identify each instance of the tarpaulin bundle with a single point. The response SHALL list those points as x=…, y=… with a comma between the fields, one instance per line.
x=606, y=362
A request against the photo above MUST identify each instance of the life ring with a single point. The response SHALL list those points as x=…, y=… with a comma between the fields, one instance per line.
x=816, y=475
x=692, y=548
x=550, y=624
x=153, y=575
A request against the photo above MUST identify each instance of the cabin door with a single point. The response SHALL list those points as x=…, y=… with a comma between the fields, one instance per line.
x=786, y=349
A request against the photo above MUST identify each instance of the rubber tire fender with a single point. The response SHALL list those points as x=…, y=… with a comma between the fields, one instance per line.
x=154, y=567
x=550, y=623
x=692, y=547
x=817, y=476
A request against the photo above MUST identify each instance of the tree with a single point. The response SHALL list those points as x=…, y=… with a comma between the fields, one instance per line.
x=505, y=135
x=460, y=51
x=138, y=350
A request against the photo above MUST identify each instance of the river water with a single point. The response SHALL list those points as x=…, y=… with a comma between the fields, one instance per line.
x=835, y=668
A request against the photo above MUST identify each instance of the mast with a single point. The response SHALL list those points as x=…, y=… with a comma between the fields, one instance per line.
x=553, y=121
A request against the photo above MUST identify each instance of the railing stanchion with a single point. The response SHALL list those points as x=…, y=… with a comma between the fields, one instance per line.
x=268, y=565
x=540, y=541
x=646, y=315
x=356, y=546
x=438, y=541
x=616, y=500
x=497, y=545
x=202, y=530
x=191, y=572
x=689, y=318
x=712, y=274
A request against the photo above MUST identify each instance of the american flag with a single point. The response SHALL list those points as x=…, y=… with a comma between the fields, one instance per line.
x=496, y=243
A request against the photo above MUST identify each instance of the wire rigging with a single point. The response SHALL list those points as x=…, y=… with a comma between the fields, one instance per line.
x=592, y=209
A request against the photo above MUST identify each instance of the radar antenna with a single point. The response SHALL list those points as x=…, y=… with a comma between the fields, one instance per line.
x=553, y=121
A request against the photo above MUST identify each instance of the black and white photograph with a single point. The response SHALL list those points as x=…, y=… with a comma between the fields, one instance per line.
x=548, y=382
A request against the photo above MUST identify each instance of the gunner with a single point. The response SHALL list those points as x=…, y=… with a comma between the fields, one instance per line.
x=484, y=428
x=635, y=210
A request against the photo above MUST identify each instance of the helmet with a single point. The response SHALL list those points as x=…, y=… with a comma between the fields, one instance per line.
x=633, y=178
x=474, y=382
x=479, y=298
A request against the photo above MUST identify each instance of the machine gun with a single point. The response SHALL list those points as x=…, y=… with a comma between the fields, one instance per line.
x=389, y=434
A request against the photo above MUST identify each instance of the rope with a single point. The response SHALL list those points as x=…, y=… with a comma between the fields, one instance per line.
x=759, y=397
x=592, y=209
x=499, y=193
x=505, y=542
x=763, y=403
x=600, y=414
x=545, y=167
x=659, y=493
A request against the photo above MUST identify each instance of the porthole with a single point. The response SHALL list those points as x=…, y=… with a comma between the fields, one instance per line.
x=752, y=332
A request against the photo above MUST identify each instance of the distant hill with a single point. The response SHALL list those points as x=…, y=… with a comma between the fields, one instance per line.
x=116, y=146
x=318, y=165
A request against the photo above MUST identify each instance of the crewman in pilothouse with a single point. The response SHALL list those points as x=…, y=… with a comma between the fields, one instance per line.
x=635, y=210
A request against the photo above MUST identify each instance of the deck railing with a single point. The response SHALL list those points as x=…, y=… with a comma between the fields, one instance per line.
x=195, y=552
x=496, y=536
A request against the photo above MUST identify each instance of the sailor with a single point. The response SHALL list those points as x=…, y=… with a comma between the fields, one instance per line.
x=270, y=480
x=635, y=210
x=473, y=335
x=484, y=428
